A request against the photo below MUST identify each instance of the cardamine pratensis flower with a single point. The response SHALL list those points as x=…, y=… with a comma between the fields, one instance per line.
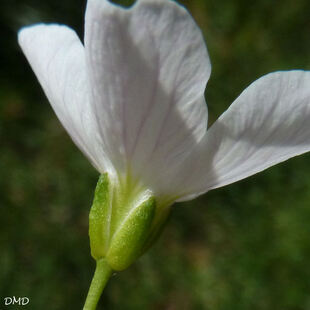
x=132, y=99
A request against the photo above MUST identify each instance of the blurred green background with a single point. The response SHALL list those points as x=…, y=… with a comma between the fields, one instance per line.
x=242, y=247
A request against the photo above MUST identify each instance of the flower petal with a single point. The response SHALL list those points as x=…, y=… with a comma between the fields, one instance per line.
x=267, y=124
x=149, y=67
x=57, y=57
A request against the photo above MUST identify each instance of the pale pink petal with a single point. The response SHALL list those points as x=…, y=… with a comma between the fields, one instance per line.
x=148, y=67
x=57, y=57
x=267, y=124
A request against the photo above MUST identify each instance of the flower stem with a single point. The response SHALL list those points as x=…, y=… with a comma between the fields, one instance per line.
x=100, y=279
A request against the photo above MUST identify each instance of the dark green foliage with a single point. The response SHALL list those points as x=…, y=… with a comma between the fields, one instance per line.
x=246, y=246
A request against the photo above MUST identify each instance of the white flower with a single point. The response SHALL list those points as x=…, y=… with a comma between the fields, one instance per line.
x=132, y=99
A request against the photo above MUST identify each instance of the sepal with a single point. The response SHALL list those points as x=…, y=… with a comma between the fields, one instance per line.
x=128, y=241
x=124, y=222
x=99, y=219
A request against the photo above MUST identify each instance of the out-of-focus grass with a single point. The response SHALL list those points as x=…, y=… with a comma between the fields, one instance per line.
x=242, y=247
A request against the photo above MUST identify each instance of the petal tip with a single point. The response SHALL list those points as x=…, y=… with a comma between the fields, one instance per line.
x=107, y=6
x=28, y=32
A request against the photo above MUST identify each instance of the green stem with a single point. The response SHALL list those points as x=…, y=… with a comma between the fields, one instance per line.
x=100, y=279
